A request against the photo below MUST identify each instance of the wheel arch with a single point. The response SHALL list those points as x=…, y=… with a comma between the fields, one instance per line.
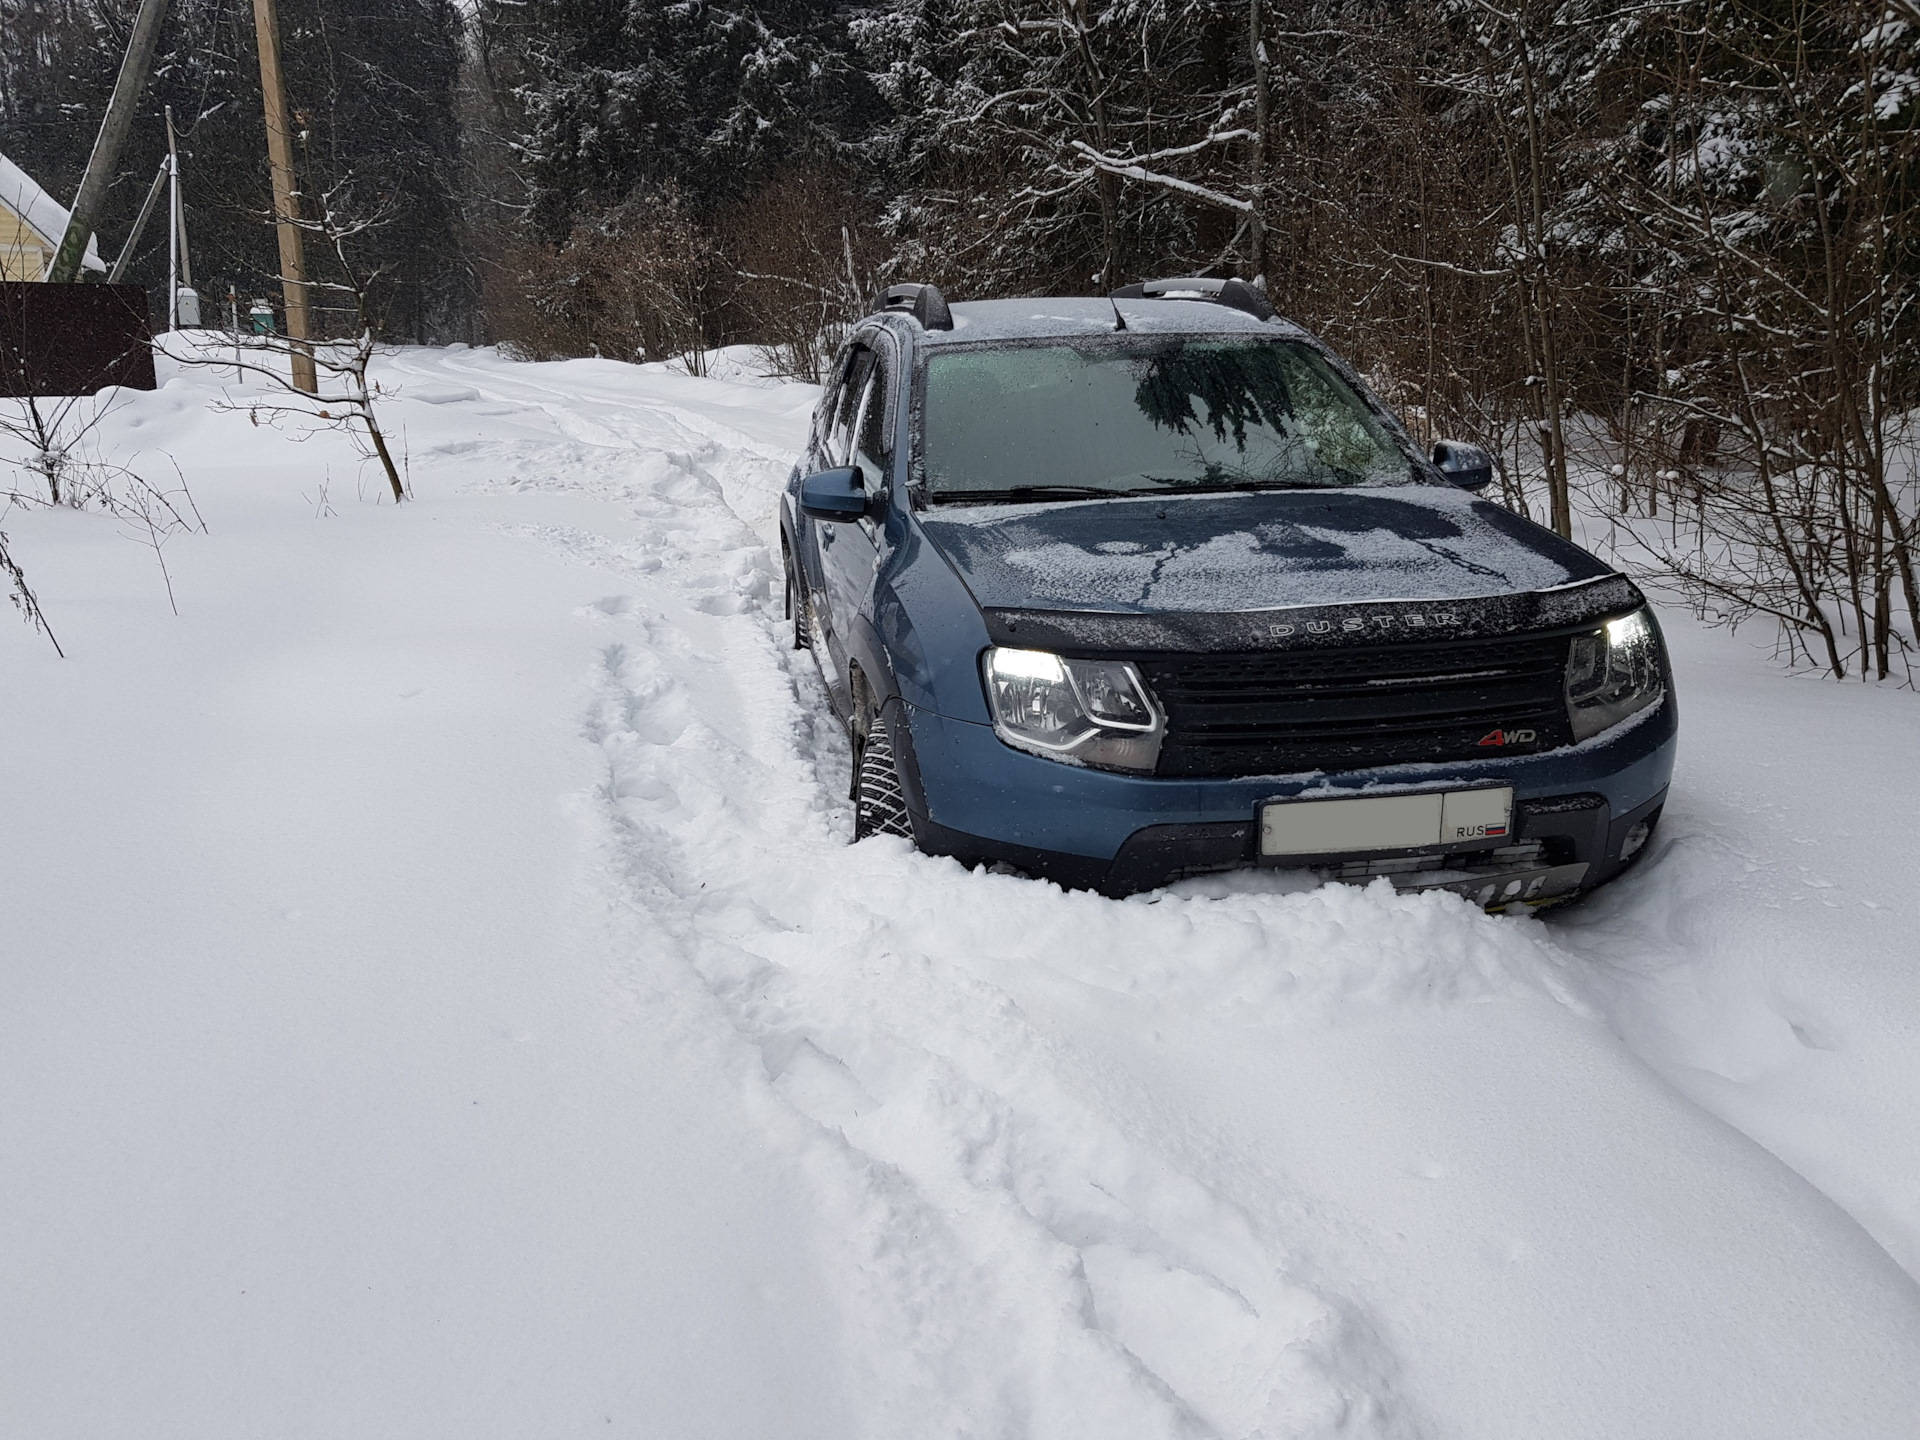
x=868, y=702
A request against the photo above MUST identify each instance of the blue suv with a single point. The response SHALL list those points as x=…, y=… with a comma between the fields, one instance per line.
x=1122, y=590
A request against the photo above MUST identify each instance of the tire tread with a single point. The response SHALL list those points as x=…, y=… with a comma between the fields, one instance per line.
x=797, y=604
x=879, y=805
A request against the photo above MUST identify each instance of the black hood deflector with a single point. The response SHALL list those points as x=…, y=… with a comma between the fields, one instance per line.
x=1276, y=570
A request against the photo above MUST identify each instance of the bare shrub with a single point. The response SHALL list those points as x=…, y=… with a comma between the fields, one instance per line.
x=640, y=282
x=52, y=434
x=343, y=397
x=58, y=455
x=804, y=264
x=22, y=596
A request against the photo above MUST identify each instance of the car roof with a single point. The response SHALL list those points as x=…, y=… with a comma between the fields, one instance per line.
x=1077, y=317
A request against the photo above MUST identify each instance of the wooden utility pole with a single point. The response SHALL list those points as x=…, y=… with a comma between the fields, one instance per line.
x=106, y=145
x=286, y=199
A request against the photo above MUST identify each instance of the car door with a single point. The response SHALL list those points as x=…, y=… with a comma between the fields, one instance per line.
x=849, y=552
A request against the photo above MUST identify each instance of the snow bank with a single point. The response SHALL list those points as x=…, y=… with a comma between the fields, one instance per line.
x=446, y=934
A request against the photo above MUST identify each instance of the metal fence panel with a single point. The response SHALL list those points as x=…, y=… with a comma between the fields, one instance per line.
x=73, y=339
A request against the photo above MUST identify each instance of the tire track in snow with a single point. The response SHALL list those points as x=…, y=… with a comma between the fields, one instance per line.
x=1034, y=1246
x=1022, y=1226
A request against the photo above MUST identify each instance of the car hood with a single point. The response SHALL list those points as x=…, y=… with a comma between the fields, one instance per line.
x=1221, y=553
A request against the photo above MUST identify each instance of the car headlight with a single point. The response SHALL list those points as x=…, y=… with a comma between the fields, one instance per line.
x=1613, y=673
x=1088, y=712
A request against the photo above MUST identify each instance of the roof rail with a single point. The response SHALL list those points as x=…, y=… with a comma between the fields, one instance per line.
x=1235, y=293
x=924, y=302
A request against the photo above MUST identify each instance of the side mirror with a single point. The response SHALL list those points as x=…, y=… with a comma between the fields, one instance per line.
x=1467, y=466
x=837, y=495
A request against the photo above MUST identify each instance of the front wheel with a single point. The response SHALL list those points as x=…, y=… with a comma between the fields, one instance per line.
x=879, y=807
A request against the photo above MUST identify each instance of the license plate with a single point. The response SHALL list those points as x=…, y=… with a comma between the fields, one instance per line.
x=1385, y=822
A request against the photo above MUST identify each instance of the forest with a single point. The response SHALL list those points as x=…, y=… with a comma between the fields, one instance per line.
x=1658, y=257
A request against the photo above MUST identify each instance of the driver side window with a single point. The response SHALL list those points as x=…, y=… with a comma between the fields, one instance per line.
x=837, y=447
x=872, y=434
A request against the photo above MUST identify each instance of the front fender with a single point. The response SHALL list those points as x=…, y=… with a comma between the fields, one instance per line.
x=928, y=624
x=795, y=531
x=790, y=511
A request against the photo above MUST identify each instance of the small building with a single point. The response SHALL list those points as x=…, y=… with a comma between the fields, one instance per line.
x=31, y=225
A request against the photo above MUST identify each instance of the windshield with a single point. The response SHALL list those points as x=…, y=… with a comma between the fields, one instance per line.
x=1155, y=416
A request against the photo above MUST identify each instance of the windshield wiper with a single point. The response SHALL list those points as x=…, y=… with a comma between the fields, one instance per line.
x=1029, y=492
x=1215, y=487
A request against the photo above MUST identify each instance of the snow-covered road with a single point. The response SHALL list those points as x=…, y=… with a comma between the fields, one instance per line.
x=441, y=999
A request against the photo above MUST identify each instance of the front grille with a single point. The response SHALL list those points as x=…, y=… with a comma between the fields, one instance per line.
x=1277, y=713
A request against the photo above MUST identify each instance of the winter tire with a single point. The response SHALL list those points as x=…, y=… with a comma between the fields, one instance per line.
x=879, y=808
x=797, y=607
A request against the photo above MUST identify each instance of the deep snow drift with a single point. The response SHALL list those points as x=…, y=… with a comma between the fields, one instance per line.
x=440, y=999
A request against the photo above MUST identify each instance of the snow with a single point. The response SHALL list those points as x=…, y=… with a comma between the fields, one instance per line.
x=1228, y=552
x=441, y=999
x=1765, y=967
x=1074, y=317
x=48, y=217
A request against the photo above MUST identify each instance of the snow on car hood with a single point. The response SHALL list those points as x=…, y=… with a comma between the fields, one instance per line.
x=1220, y=553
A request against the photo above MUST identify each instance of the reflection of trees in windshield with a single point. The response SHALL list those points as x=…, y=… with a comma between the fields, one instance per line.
x=1263, y=385
x=1278, y=467
x=1237, y=385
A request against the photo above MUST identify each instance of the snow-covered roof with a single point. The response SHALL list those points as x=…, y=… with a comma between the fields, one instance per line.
x=46, y=216
x=1075, y=316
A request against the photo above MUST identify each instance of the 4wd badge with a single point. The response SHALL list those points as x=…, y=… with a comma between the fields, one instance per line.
x=1507, y=737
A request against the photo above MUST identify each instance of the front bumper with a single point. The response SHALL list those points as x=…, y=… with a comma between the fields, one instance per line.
x=978, y=799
